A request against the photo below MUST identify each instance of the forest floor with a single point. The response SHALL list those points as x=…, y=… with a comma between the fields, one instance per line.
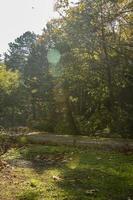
x=39, y=172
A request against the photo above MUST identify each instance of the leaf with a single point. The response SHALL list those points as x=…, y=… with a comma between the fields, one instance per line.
x=91, y=192
x=57, y=178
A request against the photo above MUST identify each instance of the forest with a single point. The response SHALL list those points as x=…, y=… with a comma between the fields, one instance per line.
x=66, y=104
x=75, y=78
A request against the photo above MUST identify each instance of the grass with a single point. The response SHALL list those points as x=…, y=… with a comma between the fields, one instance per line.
x=67, y=173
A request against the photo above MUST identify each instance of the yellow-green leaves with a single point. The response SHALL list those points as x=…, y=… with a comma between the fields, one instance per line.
x=8, y=80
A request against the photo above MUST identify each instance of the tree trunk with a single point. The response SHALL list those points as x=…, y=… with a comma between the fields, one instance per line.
x=69, y=113
x=33, y=108
x=107, y=62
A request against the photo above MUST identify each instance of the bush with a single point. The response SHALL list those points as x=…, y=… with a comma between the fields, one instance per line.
x=42, y=125
x=6, y=141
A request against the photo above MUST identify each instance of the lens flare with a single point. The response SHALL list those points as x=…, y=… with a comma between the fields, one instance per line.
x=53, y=56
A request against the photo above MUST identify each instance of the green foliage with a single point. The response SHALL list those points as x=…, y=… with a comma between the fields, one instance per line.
x=95, y=65
x=62, y=127
x=73, y=80
x=22, y=140
x=9, y=81
x=19, y=50
x=10, y=84
x=42, y=125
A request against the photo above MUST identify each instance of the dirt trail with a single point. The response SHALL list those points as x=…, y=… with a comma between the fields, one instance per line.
x=39, y=138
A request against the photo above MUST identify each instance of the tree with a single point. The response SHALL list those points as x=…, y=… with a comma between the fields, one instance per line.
x=105, y=28
x=78, y=80
x=39, y=85
x=18, y=52
x=9, y=84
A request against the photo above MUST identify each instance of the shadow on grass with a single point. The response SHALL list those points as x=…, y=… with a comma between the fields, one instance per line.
x=40, y=157
x=94, y=184
x=89, y=175
x=29, y=195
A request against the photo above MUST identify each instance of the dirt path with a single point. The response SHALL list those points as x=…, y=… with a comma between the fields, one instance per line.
x=40, y=138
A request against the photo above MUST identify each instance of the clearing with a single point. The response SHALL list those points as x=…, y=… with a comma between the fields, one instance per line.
x=39, y=172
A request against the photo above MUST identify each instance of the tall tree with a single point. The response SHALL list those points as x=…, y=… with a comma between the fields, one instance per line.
x=9, y=84
x=19, y=50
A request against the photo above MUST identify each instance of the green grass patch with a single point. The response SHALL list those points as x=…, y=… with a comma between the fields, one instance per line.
x=29, y=195
x=84, y=175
